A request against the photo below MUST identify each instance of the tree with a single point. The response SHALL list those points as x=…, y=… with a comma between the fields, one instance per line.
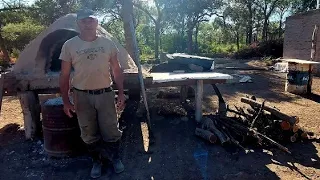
x=126, y=13
x=48, y=11
x=281, y=9
x=303, y=5
x=192, y=12
x=267, y=7
x=9, y=8
x=156, y=20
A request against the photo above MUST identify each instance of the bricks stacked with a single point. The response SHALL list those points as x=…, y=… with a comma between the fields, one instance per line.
x=298, y=35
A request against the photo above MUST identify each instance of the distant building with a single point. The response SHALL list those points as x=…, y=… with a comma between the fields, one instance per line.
x=298, y=35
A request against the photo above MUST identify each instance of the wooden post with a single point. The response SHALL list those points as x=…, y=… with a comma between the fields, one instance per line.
x=30, y=105
x=314, y=43
x=132, y=46
x=199, y=96
x=309, y=86
x=183, y=93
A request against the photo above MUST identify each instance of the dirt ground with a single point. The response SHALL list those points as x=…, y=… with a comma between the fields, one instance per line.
x=176, y=152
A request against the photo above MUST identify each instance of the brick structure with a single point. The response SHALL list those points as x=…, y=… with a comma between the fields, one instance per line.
x=298, y=35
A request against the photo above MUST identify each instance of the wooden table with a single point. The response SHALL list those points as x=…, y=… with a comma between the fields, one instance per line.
x=299, y=77
x=183, y=79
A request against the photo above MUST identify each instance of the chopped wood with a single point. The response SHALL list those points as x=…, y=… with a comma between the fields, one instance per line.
x=272, y=141
x=258, y=115
x=275, y=112
x=293, y=138
x=295, y=128
x=285, y=125
x=208, y=124
x=205, y=134
x=261, y=125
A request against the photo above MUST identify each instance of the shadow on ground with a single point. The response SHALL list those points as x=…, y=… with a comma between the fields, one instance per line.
x=175, y=154
x=178, y=154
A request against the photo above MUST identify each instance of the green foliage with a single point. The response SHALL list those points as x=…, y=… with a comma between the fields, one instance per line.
x=115, y=27
x=47, y=11
x=15, y=53
x=17, y=35
x=146, y=58
x=172, y=43
x=271, y=48
x=303, y=5
x=236, y=21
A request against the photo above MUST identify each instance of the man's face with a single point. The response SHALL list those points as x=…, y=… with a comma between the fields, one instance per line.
x=88, y=24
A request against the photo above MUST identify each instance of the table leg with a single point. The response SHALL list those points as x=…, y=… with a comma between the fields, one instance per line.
x=199, y=96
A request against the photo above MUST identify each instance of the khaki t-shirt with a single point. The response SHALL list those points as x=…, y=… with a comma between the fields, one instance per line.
x=91, y=61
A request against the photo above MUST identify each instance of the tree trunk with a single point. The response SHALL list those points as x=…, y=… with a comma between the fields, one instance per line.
x=250, y=23
x=157, y=40
x=265, y=28
x=280, y=25
x=127, y=11
x=238, y=41
x=196, y=47
x=190, y=41
x=182, y=28
x=4, y=50
x=160, y=40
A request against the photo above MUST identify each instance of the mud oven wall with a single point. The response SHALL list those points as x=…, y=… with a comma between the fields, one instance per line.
x=38, y=65
x=298, y=35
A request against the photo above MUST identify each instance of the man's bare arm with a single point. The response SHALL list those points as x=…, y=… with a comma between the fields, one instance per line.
x=64, y=81
x=117, y=73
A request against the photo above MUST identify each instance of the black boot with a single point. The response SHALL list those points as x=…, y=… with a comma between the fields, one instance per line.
x=111, y=152
x=94, y=151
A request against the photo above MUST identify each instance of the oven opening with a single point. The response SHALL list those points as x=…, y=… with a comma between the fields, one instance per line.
x=51, y=46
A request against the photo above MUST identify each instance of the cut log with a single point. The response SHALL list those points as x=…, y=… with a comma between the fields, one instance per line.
x=208, y=124
x=295, y=128
x=285, y=125
x=272, y=141
x=31, y=109
x=207, y=135
x=275, y=112
x=293, y=138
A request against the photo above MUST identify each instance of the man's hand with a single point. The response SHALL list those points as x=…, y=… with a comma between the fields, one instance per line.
x=64, y=87
x=118, y=78
x=68, y=108
x=120, y=102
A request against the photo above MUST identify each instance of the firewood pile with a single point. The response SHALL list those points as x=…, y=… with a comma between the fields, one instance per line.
x=259, y=125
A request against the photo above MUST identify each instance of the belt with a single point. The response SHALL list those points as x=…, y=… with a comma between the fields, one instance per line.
x=96, y=91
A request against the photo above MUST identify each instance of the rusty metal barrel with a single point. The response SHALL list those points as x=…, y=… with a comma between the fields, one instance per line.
x=61, y=133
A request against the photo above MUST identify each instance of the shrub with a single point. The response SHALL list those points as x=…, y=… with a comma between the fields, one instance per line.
x=271, y=48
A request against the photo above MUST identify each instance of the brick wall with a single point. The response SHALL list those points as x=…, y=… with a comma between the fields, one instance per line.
x=298, y=35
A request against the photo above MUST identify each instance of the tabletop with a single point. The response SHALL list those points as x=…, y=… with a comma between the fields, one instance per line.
x=169, y=77
x=300, y=61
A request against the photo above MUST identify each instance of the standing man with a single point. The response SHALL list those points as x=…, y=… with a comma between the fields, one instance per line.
x=92, y=57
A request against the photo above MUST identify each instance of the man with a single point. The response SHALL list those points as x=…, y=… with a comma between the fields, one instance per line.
x=92, y=57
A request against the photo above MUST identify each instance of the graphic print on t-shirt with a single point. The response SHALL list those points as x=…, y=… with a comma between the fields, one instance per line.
x=91, y=53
